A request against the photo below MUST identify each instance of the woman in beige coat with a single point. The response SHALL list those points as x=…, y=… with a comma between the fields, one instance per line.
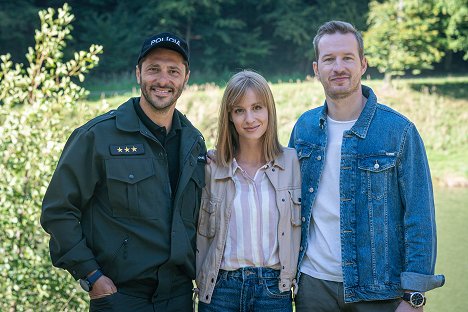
x=249, y=226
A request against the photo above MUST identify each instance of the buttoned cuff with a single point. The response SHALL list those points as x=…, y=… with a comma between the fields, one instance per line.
x=82, y=269
x=421, y=282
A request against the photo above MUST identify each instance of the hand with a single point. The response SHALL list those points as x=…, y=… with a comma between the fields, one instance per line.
x=211, y=156
x=103, y=287
x=406, y=307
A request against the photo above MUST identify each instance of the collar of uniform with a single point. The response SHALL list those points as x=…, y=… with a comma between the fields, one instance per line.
x=154, y=127
x=128, y=120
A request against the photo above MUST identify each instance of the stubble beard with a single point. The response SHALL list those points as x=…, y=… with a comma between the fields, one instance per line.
x=161, y=107
x=342, y=94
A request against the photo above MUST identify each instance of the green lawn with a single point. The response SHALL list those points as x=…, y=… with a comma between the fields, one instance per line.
x=452, y=260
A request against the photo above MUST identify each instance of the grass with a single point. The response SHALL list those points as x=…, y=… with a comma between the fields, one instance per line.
x=451, y=216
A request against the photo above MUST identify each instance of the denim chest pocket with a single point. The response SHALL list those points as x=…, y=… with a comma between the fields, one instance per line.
x=376, y=172
x=310, y=158
x=207, y=219
x=131, y=187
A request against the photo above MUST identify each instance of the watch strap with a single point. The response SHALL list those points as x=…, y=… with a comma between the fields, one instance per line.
x=94, y=277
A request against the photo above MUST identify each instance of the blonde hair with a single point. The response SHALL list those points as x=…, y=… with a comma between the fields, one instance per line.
x=227, y=143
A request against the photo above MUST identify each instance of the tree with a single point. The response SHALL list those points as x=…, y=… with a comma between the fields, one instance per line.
x=456, y=24
x=38, y=105
x=403, y=35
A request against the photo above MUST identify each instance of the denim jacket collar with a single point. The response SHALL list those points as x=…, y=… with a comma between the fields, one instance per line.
x=362, y=124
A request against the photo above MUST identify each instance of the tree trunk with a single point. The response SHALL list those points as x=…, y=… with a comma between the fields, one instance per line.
x=388, y=79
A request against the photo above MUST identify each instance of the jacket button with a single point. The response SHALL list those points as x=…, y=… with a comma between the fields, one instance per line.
x=303, y=219
x=284, y=285
x=319, y=157
x=282, y=199
x=273, y=169
x=212, y=280
x=311, y=190
x=282, y=234
x=376, y=166
x=207, y=297
x=131, y=176
x=283, y=269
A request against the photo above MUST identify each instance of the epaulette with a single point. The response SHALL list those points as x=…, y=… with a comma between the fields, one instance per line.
x=98, y=119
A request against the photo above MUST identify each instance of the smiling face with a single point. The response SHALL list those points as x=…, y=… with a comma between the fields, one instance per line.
x=339, y=67
x=162, y=77
x=250, y=117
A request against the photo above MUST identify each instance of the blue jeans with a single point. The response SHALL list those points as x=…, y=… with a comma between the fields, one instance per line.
x=248, y=290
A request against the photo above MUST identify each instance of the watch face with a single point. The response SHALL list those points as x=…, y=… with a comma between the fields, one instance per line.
x=85, y=285
x=417, y=299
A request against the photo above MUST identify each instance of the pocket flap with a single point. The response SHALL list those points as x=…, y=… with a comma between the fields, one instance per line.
x=377, y=163
x=130, y=171
x=295, y=196
x=209, y=205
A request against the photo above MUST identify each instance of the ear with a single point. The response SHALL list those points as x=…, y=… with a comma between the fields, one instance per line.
x=363, y=65
x=137, y=74
x=316, y=71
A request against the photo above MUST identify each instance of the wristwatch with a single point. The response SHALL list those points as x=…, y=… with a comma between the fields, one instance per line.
x=88, y=282
x=415, y=299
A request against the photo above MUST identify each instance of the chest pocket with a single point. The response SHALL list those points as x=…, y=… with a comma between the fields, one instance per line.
x=207, y=220
x=131, y=187
x=295, y=201
x=376, y=172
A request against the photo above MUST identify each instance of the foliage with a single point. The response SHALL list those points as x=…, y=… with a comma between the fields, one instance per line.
x=403, y=35
x=273, y=37
x=37, y=105
x=456, y=24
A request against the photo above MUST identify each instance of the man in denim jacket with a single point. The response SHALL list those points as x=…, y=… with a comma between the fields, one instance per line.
x=368, y=233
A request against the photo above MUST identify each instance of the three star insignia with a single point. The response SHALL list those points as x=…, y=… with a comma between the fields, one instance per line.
x=127, y=149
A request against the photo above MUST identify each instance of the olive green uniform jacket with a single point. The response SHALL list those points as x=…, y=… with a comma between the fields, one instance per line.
x=109, y=205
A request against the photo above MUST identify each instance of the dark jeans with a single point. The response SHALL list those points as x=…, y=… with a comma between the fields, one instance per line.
x=119, y=302
x=315, y=295
x=248, y=290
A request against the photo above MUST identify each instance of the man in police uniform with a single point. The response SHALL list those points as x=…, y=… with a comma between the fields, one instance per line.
x=122, y=205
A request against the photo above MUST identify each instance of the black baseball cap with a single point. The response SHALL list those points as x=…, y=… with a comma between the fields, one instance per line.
x=167, y=41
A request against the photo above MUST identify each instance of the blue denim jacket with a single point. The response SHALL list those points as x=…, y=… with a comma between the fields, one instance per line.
x=387, y=221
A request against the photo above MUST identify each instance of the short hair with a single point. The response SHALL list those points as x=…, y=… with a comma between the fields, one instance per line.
x=333, y=27
x=227, y=143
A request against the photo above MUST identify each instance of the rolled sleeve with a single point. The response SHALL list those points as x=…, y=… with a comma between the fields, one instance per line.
x=421, y=282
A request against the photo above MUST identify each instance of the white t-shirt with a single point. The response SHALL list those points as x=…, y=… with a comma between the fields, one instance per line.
x=323, y=256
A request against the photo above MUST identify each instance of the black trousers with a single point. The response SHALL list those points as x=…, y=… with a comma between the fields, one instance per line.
x=119, y=302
